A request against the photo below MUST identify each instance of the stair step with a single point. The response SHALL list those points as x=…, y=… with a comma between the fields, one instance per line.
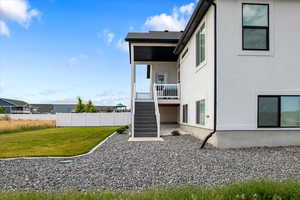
x=145, y=112
x=140, y=126
x=144, y=109
x=145, y=130
x=145, y=134
x=144, y=116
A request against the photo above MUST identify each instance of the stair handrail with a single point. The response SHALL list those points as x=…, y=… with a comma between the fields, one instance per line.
x=156, y=109
x=133, y=110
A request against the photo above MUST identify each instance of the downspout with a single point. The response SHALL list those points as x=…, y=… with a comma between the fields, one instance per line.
x=215, y=76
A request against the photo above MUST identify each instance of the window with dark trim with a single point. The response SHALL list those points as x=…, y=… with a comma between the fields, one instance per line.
x=279, y=111
x=255, y=20
x=200, y=45
x=200, y=112
x=185, y=113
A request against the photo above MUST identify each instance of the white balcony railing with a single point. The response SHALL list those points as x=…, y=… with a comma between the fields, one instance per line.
x=167, y=91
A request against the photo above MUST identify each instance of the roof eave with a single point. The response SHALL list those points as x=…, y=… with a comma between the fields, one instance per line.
x=192, y=25
x=138, y=40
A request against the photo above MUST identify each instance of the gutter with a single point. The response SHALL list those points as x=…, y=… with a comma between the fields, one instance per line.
x=215, y=76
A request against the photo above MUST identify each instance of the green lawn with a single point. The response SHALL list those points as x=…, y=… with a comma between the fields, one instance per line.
x=52, y=141
x=253, y=190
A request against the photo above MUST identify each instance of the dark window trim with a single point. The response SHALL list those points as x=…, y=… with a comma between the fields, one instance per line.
x=279, y=111
x=185, y=113
x=198, y=116
x=198, y=42
x=267, y=28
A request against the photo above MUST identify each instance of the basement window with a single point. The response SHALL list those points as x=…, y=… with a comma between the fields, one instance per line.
x=185, y=113
x=255, y=27
x=200, y=112
x=279, y=111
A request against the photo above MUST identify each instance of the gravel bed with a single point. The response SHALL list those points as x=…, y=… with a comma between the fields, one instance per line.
x=122, y=165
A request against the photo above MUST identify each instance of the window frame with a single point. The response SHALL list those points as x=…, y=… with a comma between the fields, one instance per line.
x=279, y=110
x=199, y=62
x=185, y=113
x=198, y=113
x=267, y=28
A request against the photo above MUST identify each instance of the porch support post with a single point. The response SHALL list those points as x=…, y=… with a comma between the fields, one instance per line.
x=133, y=81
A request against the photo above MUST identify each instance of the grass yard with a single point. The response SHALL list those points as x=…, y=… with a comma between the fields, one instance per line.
x=12, y=126
x=52, y=141
x=253, y=190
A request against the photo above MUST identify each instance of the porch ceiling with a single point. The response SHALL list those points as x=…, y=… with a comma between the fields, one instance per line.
x=154, y=53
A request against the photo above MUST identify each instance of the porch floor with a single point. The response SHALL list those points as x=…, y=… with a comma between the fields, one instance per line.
x=166, y=129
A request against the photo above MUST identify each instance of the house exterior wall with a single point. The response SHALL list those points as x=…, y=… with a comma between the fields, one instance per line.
x=242, y=76
x=169, y=114
x=6, y=105
x=197, y=83
x=169, y=68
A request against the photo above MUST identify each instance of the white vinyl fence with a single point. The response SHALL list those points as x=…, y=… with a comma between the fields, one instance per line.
x=93, y=119
x=78, y=119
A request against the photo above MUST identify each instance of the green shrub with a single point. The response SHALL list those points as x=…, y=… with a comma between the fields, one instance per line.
x=122, y=130
x=90, y=108
x=175, y=133
x=2, y=110
x=80, y=107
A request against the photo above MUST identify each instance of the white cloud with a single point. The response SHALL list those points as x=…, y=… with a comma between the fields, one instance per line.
x=72, y=61
x=111, y=98
x=107, y=35
x=76, y=59
x=123, y=45
x=110, y=36
x=18, y=11
x=2, y=86
x=172, y=22
x=83, y=56
x=187, y=9
x=4, y=29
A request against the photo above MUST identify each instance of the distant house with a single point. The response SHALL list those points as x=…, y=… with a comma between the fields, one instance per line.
x=41, y=108
x=13, y=106
x=64, y=108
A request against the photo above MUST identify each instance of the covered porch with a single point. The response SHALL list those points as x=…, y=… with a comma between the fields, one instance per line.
x=158, y=102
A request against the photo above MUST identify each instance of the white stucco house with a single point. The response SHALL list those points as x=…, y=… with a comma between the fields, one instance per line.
x=232, y=77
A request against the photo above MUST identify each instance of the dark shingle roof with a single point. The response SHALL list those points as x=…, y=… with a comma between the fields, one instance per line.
x=15, y=102
x=154, y=36
x=42, y=108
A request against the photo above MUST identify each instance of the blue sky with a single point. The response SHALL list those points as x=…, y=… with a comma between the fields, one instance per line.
x=57, y=50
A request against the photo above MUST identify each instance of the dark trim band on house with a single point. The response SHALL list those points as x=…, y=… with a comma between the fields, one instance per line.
x=256, y=34
x=154, y=37
x=278, y=111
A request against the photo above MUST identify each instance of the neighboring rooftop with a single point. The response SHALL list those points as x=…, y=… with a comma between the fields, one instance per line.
x=42, y=108
x=14, y=102
x=154, y=36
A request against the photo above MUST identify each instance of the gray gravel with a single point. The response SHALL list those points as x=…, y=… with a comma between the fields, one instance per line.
x=123, y=165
